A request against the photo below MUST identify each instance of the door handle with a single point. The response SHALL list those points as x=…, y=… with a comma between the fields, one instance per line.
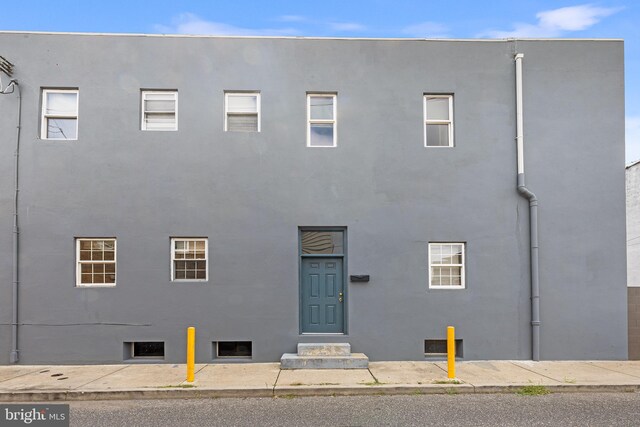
x=340, y=297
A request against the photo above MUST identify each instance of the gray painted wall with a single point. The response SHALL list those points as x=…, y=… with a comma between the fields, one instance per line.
x=633, y=224
x=633, y=257
x=249, y=192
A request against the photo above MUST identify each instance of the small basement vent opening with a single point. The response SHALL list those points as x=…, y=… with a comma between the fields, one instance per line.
x=232, y=349
x=438, y=348
x=144, y=350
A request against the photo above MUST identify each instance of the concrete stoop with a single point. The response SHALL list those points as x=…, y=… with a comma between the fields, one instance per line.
x=324, y=356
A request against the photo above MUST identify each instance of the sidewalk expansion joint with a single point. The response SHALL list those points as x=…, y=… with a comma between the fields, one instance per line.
x=613, y=370
x=537, y=373
x=21, y=375
x=273, y=390
x=374, y=377
x=203, y=366
x=105, y=375
x=439, y=367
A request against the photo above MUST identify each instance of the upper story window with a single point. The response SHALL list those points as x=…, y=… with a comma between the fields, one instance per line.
x=96, y=262
x=189, y=259
x=446, y=266
x=321, y=120
x=438, y=120
x=159, y=110
x=59, y=114
x=242, y=111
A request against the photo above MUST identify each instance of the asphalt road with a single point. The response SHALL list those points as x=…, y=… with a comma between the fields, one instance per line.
x=568, y=409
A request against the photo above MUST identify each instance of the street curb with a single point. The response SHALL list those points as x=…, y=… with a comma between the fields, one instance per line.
x=177, y=393
x=295, y=391
x=560, y=388
x=382, y=390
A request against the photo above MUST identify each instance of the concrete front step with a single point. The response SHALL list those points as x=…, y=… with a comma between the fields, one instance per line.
x=324, y=349
x=352, y=361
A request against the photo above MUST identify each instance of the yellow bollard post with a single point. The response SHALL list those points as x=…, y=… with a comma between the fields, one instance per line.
x=451, y=352
x=191, y=353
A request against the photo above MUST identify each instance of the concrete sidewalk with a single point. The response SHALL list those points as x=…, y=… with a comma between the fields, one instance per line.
x=155, y=381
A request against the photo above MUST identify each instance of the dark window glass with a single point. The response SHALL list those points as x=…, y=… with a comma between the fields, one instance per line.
x=148, y=349
x=439, y=347
x=234, y=349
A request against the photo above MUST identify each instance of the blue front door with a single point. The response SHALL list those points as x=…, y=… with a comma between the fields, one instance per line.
x=322, y=295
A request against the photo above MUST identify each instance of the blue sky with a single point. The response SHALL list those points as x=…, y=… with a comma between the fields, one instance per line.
x=374, y=18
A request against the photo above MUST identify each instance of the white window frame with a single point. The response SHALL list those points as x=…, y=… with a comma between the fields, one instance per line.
x=143, y=94
x=334, y=122
x=44, y=117
x=241, y=93
x=437, y=122
x=463, y=282
x=79, y=263
x=206, y=258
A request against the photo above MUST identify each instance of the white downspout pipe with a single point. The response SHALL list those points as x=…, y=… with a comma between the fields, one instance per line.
x=533, y=215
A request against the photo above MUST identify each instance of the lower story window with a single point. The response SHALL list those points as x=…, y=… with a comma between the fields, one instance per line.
x=232, y=349
x=96, y=262
x=189, y=259
x=144, y=350
x=438, y=348
x=446, y=266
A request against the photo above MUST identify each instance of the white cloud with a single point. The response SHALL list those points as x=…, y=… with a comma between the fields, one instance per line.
x=346, y=26
x=292, y=18
x=556, y=22
x=632, y=137
x=427, y=29
x=573, y=18
x=189, y=23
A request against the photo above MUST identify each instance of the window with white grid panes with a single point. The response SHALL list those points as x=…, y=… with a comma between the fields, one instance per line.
x=438, y=120
x=159, y=110
x=446, y=266
x=95, y=262
x=242, y=112
x=59, y=114
x=189, y=259
x=322, y=120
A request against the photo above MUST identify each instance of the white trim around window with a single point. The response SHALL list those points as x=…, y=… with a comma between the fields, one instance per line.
x=96, y=262
x=438, y=121
x=159, y=110
x=59, y=115
x=189, y=259
x=242, y=111
x=446, y=265
x=323, y=121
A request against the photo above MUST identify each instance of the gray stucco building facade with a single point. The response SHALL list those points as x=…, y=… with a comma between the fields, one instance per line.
x=175, y=181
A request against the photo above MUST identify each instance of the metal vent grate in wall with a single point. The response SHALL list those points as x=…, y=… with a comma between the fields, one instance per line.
x=6, y=66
